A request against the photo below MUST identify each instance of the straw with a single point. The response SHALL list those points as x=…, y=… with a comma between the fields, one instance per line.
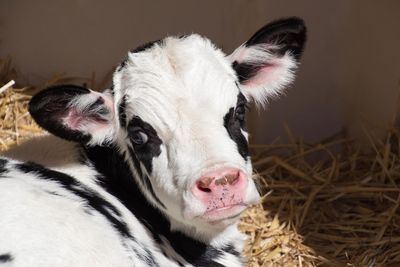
x=6, y=86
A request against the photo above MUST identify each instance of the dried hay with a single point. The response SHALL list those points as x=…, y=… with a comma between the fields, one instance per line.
x=325, y=204
x=337, y=209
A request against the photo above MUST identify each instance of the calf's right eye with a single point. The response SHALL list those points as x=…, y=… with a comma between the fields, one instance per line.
x=138, y=136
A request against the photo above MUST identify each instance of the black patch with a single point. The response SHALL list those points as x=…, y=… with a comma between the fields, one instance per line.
x=122, y=112
x=241, y=103
x=93, y=200
x=143, y=177
x=50, y=105
x=145, y=153
x=231, y=250
x=146, y=46
x=288, y=33
x=234, y=125
x=119, y=182
x=6, y=258
x=148, y=257
x=3, y=163
x=196, y=252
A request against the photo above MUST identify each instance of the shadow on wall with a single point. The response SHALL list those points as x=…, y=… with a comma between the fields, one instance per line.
x=349, y=72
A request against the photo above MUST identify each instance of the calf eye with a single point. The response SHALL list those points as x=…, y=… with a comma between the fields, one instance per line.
x=138, y=136
x=240, y=112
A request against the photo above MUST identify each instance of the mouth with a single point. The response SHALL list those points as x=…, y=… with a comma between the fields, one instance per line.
x=224, y=213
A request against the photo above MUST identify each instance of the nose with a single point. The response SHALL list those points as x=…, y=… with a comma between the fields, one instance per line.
x=221, y=188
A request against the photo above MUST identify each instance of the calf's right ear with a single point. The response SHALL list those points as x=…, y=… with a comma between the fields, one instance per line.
x=75, y=113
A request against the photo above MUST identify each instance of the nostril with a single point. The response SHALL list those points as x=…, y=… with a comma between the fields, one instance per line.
x=204, y=184
x=203, y=189
x=232, y=179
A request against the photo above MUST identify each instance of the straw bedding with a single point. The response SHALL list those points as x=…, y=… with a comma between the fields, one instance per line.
x=323, y=204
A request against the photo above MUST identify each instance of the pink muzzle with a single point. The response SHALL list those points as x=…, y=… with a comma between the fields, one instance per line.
x=222, y=192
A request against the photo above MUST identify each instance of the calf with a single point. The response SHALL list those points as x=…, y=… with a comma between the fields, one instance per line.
x=152, y=172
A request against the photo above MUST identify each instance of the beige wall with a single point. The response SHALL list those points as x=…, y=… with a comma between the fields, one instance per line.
x=350, y=69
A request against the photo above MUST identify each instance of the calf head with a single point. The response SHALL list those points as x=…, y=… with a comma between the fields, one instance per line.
x=176, y=113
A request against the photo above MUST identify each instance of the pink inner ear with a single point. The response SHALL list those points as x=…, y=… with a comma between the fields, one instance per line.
x=88, y=121
x=75, y=121
x=265, y=76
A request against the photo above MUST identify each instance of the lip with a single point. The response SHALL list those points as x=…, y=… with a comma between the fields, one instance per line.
x=227, y=212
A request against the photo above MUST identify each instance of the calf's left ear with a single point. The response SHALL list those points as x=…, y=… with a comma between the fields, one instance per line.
x=266, y=63
x=75, y=113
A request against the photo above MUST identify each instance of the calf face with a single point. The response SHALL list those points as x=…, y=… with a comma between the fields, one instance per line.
x=176, y=113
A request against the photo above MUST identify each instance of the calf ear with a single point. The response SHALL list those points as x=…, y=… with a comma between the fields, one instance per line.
x=266, y=63
x=75, y=113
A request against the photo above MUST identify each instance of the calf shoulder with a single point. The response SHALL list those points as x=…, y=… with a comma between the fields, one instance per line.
x=50, y=218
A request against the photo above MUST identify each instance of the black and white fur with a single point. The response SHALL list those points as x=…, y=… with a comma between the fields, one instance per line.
x=111, y=188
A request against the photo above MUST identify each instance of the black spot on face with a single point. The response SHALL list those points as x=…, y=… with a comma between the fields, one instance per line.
x=6, y=258
x=145, y=152
x=234, y=122
x=149, y=150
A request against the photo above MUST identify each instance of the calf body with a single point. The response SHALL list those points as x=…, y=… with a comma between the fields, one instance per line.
x=53, y=219
x=155, y=171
